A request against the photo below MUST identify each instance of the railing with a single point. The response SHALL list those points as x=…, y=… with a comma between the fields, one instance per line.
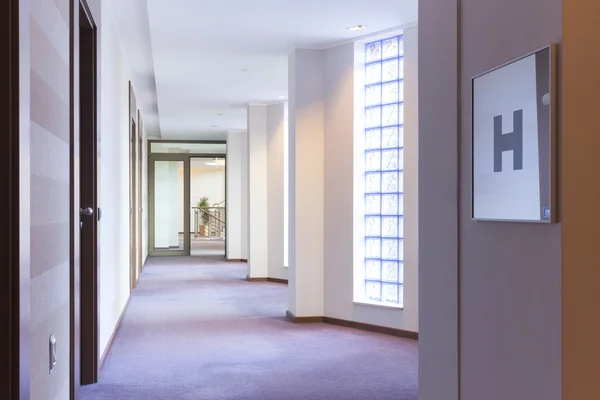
x=209, y=222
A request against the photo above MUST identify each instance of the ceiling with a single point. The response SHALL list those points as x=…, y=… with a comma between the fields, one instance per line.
x=203, y=61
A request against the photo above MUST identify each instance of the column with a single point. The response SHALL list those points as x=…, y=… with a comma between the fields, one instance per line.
x=276, y=126
x=236, y=172
x=306, y=182
x=257, y=192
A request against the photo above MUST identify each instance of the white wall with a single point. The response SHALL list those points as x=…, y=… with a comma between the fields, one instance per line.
x=236, y=197
x=244, y=194
x=206, y=181
x=257, y=192
x=276, y=121
x=339, y=70
x=114, y=184
x=411, y=179
x=144, y=196
x=306, y=135
x=286, y=187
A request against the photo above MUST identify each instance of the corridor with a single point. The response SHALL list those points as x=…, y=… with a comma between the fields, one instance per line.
x=195, y=329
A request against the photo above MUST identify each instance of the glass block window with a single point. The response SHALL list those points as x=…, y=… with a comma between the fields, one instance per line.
x=384, y=134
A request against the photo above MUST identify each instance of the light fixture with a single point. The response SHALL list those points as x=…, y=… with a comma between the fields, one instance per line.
x=213, y=164
x=214, y=126
x=357, y=27
x=245, y=70
x=283, y=97
x=220, y=114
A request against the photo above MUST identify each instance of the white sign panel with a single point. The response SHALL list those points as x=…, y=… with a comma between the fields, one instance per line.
x=511, y=141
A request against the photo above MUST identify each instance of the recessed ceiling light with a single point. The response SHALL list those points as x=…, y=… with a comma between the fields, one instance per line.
x=220, y=114
x=357, y=27
x=245, y=69
x=283, y=97
x=214, y=126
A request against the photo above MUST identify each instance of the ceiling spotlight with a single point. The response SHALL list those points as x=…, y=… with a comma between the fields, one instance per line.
x=357, y=27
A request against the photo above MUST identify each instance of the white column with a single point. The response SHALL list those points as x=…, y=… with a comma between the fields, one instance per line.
x=236, y=172
x=306, y=140
x=257, y=192
x=276, y=122
x=244, y=196
x=411, y=180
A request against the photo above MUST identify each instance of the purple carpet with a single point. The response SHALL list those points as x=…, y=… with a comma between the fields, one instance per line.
x=195, y=329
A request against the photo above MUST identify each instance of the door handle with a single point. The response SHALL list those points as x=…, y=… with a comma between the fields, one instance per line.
x=86, y=211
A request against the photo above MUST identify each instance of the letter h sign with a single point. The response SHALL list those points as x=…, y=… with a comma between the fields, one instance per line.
x=509, y=141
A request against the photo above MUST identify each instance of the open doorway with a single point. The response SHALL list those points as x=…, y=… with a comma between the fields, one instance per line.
x=208, y=207
x=186, y=198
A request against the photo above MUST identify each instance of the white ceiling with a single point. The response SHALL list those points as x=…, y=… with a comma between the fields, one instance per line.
x=199, y=49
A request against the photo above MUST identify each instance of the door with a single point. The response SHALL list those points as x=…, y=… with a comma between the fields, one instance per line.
x=169, y=208
x=88, y=196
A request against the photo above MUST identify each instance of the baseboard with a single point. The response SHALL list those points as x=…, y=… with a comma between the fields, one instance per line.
x=278, y=280
x=272, y=280
x=372, y=328
x=354, y=325
x=256, y=279
x=302, y=320
x=113, y=336
x=237, y=260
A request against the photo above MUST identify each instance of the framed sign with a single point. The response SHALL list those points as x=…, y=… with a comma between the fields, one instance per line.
x=514, y=140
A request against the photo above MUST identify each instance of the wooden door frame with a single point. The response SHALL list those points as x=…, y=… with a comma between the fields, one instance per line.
x=89, y=197
x=15, y=200
x=75, y=252
x=140, y=210
x=133, y=124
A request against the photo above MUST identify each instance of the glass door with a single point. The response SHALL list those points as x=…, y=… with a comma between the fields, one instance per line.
x=169, y=195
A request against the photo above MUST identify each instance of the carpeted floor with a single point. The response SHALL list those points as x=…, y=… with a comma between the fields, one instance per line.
x=195, y=329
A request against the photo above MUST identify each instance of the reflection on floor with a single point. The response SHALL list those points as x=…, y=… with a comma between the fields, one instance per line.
x=207, y=247
x=195, y=329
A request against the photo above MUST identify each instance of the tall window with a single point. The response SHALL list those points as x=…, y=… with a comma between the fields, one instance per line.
x=384, y=134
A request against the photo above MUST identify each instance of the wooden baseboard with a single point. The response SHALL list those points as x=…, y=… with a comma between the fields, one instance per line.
x=372, y=328
x=302, y=320
x=278, y=280
x=113, y=336
x=256, y=279
x=354, y=325
x=272, y=280
x=237, y=260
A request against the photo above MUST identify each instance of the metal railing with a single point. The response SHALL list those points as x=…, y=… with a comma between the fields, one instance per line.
x=209, y=222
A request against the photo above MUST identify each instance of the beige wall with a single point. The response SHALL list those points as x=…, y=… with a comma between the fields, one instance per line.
x=509, y=274
x=50, y=196
x=580, y=195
